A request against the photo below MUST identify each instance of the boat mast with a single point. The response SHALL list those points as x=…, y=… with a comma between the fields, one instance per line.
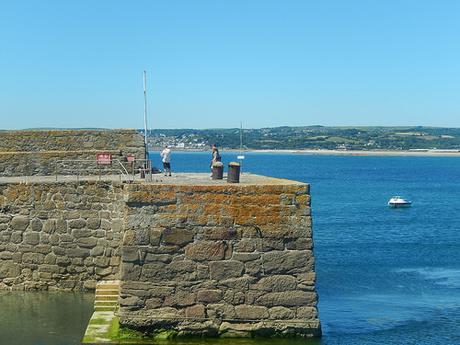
x=241, y=138
x=145, y=115
x=241, y=156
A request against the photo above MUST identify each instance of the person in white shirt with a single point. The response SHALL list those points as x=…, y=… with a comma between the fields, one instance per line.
x=166, y=159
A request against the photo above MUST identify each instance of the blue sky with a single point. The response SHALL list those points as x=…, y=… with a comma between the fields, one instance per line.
x=216, y=63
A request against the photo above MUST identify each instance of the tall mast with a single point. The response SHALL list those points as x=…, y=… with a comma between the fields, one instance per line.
x=240, y=157
x=145, y=113
x=241, y=137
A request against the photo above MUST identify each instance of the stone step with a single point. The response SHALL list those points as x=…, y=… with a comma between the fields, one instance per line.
x=105, y=308
x=106, y=298
x=105, y=303
x=102, y=282
x=108, y=282
x=107, y=292
x=107, y=287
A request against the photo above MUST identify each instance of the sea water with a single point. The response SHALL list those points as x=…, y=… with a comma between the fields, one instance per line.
x=384, y=276
x=44, y=318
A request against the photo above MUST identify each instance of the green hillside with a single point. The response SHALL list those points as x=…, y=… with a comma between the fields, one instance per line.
x=312, y=137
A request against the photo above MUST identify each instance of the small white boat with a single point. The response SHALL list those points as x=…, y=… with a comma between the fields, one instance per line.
x=398, y=201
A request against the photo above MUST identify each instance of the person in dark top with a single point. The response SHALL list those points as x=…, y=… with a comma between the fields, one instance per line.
x=215, y=155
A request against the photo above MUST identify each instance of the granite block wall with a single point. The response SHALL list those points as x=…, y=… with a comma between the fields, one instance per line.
x=216, y=259
x=37, y=152
x=228, y=260
x=63, y=236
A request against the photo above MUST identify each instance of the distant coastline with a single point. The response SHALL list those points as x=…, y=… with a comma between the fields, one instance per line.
x=402, y=153
x=377, y=141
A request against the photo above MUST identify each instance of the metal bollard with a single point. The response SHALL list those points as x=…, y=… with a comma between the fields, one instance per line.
x=217, y=171
x=233, y=175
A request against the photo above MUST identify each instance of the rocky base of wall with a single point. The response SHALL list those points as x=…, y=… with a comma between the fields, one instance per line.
x=203, y=328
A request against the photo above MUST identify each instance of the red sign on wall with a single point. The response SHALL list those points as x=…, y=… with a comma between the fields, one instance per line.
x=104, y=158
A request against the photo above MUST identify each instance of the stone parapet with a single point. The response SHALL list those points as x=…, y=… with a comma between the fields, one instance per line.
x=41, y=152
x=69, y=140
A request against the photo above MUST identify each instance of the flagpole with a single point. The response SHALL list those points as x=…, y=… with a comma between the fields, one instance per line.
x=145, y=114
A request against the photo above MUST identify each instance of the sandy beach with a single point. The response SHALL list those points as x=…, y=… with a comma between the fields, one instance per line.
x=424, y=153
x=420, y=153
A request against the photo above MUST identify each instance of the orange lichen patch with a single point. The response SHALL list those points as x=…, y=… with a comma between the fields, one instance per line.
x=231, y=211
x=274, y=206
x=168, y=209
x=256, y=199
x=192, y=208
x=197, y=219
x=206, y=189
x=205, y=198
x=218, y=198
x=245, y=221
x=262, y=220
x=212, y=209
x=297, y=189
x=267, y=189
x=189, y=199
x=271, y=209
x=251, y=211
x=303, y=199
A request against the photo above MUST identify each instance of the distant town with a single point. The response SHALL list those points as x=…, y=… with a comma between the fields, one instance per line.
x=310, y=138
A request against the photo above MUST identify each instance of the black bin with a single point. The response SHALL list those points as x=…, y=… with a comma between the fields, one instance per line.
x=217, y=171
x=233, y=175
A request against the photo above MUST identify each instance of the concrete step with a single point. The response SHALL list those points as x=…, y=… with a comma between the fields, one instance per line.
x=97, y=330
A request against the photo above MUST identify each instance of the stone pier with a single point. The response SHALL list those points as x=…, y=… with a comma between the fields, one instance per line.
x=193, y=256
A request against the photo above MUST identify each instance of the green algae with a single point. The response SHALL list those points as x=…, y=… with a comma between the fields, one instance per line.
x=114, y=333
x=126, y=335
